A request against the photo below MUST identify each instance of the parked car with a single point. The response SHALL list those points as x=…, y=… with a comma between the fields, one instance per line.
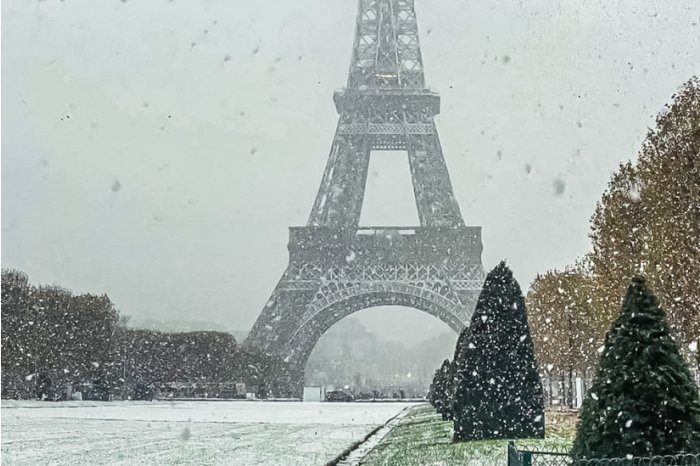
x=339, y=395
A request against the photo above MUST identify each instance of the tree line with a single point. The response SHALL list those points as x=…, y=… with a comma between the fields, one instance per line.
x=646, y=222
x=643, y=401
x=52, y=339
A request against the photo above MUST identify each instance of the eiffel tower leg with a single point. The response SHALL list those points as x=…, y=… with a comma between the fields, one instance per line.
x=279, y=320
x=435, y=200
x=281, y=315
x=339, y=199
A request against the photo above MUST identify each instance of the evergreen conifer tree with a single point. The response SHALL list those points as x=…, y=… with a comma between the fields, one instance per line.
x=457, y=361
x=498, y=389
x=643, y=401
x=449, y=390
x=440, y=385
x=449, y=385
x=431, y=390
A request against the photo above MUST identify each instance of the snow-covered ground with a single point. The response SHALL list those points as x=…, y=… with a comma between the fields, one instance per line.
x=182, y=432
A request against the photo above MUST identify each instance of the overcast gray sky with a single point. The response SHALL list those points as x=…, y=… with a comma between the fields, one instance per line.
x=158, y=150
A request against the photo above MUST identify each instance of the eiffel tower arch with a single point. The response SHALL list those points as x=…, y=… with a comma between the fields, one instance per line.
x=336, y=267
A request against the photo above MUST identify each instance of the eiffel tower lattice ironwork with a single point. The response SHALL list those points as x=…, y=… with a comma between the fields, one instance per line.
x=337, y=267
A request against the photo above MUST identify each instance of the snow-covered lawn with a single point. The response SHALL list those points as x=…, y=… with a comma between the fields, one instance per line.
x=202, y=432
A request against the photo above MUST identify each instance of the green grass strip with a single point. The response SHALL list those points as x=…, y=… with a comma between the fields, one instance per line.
x=422, y=439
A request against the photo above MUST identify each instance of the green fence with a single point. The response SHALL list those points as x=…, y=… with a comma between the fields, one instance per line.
x=517, y=457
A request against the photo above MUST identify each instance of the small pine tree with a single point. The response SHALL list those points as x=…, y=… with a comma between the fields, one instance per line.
x=643, y=401
x=431, y=391
x=457, y=361
x=448, y=393
x=498, y=389
x=441, y=378
x=434, y=387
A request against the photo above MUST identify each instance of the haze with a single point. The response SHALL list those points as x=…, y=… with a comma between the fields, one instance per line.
x=158, y=151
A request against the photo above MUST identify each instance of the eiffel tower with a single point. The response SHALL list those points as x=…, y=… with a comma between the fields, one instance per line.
x=335, y=266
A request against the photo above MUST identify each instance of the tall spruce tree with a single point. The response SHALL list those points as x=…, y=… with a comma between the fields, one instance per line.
x=498, y=389
x=643, y=401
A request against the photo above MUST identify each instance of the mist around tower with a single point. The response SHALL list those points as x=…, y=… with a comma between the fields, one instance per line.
x=381, y=232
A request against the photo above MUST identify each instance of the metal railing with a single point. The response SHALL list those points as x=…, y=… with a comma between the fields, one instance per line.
x=669, y=460
x=564, y=392
x=518, y=457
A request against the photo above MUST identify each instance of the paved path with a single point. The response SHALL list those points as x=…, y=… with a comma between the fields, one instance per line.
x=356, y=455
